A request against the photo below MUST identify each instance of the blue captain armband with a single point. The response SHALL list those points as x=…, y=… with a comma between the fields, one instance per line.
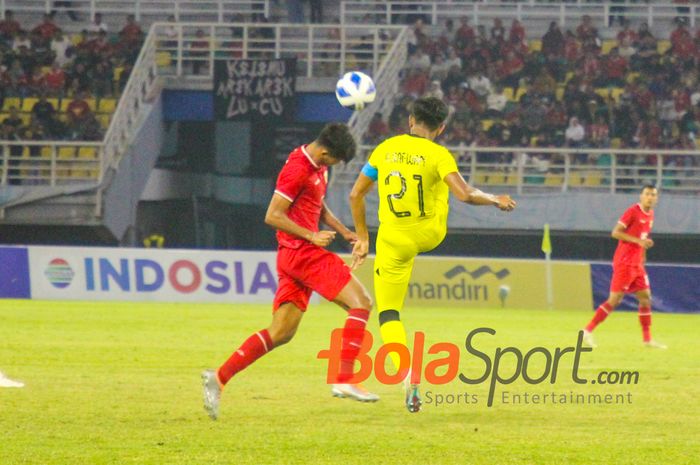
x=370, y=171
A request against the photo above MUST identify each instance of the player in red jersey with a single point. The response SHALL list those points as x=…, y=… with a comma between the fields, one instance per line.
x=629, y=277
x=303, y=266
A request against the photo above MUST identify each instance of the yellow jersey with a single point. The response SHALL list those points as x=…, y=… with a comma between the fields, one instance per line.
x=409, y=173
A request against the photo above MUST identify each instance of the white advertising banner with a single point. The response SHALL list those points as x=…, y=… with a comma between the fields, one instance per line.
x=86, y=273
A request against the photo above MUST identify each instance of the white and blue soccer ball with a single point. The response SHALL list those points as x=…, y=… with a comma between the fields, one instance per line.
x=354, y=90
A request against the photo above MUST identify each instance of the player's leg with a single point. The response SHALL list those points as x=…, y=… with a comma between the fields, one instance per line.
x=601, y=313
x=327, y=274
x=393, y=266
x=290, y=302
x=355, y=299
x=643, y=294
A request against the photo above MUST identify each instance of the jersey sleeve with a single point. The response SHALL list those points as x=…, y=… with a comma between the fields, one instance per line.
x=446, y=164
x=375, y=157
x=627, y=218
x=290, y=181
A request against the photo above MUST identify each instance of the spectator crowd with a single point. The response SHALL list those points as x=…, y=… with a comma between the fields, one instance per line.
x=63, y=78
x=569, y=89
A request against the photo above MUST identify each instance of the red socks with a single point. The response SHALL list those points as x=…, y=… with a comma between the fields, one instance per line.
x=601, y=314
x=645, y=321
x=353, y=333
x=252, y=349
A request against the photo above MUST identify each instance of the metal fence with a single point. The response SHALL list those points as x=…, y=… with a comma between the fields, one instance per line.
x=535, y=15
x=146, y=12
x=189, y=49
x=537, y=170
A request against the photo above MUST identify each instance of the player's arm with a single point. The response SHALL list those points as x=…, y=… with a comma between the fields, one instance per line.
x=619, y=233
x=332, y=221
x=362, y=186
x=276, y=217
x=471, y=195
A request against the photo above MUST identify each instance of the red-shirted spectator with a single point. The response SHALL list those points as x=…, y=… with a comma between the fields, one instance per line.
x=679, y=32
x=517, y=32
x=681, y=100
x=683, y=46
x=465, y=33
x=9, y=27
x=131, y=32
x=78, y=110
x=416, y=84
x=586, y=30
x=615, y=68
x=627, y=33
x=47, y=28
x=572, y=48
x=591, y=66
x=55, y=79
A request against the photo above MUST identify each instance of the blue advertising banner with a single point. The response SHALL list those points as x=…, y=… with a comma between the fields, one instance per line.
x=14, y=282
x=671, y=288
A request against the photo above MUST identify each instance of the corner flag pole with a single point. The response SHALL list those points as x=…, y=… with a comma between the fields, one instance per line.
x=547, y=249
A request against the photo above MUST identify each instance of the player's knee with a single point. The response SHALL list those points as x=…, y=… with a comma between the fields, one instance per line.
x=614, y=301
x=281, y=335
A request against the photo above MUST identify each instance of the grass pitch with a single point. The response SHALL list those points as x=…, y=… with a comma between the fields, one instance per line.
x=110, y=383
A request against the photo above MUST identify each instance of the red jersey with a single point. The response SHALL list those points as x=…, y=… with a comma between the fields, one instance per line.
x=637, y=223
x=302, y=182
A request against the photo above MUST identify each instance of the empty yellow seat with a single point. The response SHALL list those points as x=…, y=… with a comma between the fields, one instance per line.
x=521, y=91
x=508, y=93
x=535, y=45
x=486, y=124
x=663, y=46
x=607, y=46
x=104, y=120
x=497, y=179
x=107, y=105
x=87, y=152
x=92, y=103
x=559, y=93
x=551, y=179
x=66, y=152
x=163, y=59
x=11, y=102
x=479, y=178
x=28, y=104
x=603, y=92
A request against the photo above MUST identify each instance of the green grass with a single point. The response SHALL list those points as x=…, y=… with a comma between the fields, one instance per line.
x=119, y=384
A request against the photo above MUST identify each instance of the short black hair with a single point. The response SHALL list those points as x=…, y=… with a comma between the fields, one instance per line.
x=648, y=186
x=337, y=138
x=430, y=112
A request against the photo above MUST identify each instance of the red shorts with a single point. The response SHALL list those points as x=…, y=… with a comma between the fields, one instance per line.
x=307, y=269
x=629, y=279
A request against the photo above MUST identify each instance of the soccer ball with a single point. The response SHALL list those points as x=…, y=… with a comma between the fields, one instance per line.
x=354, y=90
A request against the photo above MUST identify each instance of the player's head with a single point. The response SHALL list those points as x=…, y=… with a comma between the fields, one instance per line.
x=429, y=113
x=649, y=196
x=336, y=144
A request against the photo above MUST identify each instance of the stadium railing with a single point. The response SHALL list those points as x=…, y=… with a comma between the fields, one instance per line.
x=535, y=15
x=537, y=170
x=146, y=12
x=321, y=50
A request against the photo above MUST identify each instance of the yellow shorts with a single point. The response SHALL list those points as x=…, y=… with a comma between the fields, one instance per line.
x=396, y=252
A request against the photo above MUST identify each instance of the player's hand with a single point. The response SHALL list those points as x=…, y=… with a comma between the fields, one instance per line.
x=351, y=237
x=505, y=203
x=359, y=253
x=322, y=238
x=646, y=243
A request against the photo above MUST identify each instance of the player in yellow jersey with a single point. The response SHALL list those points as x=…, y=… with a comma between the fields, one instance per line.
x=415, y=176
